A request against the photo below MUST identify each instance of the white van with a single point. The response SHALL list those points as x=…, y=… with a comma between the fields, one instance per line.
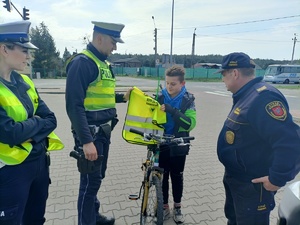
x=282, y=74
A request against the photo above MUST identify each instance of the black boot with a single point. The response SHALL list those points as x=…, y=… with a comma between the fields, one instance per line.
x=103, y=220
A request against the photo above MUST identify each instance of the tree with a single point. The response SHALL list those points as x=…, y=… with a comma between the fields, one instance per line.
x=46, y=58
x=66, y=55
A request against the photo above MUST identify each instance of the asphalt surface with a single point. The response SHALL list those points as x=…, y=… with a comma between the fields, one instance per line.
x=203, y=197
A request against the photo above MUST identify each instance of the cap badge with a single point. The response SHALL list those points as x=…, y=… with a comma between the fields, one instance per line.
x=233, y=63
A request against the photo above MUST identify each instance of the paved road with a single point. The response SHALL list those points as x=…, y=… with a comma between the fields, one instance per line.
x=203, y=197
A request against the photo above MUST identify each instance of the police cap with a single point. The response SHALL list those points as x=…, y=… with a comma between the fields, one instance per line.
x=236, y=60
x=111, y=29
x=17, y=33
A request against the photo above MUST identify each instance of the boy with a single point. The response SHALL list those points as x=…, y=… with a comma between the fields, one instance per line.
x=179, y=105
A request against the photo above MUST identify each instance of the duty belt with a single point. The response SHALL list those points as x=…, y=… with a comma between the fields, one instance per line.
x=95, y=129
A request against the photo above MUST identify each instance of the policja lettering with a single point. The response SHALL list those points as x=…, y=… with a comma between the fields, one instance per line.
x=2, y=214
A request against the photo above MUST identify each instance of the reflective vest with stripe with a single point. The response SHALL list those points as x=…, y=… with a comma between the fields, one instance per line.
x=15, y=109
x=100, y=94
x=143, y=114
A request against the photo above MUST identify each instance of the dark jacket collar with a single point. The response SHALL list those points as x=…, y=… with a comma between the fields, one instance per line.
x=245, y=88
x=98, y=54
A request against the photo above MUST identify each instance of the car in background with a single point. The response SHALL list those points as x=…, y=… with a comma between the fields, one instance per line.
x=282, y=74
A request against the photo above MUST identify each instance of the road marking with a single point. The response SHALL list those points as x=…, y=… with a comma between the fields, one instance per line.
x=220, y=93
x=290, y=96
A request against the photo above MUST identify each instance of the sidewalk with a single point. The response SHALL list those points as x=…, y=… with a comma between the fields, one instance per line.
x=203, y=197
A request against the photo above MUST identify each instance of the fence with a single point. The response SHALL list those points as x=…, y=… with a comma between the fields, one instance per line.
x=196, y=73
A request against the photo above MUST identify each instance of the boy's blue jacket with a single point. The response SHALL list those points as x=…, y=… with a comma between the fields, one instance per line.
x=184, y=119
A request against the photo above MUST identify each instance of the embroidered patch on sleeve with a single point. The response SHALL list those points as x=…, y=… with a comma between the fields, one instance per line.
x=276, y=110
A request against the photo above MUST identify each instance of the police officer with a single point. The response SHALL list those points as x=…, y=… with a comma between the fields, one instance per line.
x=26, y=125
x=259, y=144
x=90, y=104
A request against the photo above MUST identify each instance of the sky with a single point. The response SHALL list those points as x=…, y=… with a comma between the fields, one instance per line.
x=263, y=29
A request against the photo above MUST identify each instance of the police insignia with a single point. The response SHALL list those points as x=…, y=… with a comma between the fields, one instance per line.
x=229, y=137
x=276, y=110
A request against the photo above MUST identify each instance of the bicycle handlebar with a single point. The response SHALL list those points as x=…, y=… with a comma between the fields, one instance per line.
x=162, y=138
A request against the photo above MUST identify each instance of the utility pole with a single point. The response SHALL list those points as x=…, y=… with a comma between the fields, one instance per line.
x=155, y=38
x=295, y=40
x=155, y=47
x=171, y=59
x=193, y=51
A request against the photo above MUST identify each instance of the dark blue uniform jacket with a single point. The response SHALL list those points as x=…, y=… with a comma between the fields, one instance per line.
x=259, y=137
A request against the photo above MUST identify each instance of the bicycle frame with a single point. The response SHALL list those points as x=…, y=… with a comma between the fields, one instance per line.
x=152, y=205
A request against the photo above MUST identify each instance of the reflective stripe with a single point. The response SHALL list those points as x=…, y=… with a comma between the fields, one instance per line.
x=143, y=114
x=139, y=119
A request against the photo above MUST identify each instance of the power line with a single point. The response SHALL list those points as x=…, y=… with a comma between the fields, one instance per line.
x=238, y=23
x=252, y=21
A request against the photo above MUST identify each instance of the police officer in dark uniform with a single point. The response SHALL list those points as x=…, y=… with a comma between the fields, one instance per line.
x=26, y=133
x=259, y=144
x=90, y=104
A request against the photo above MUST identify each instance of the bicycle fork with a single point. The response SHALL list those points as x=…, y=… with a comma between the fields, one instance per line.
x=144, y=167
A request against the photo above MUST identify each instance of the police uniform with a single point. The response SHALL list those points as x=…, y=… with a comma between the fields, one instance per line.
x=259, y=138
x=25, y=127
x=90, y=103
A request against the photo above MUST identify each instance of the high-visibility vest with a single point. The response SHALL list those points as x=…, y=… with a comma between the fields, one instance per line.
x=15, y=109
x=143, y=114
x=100, y=94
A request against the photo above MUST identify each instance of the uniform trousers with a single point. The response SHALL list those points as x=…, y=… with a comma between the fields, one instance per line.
x=247, y=203
x=24, y=192
x=173, y=167
x=88, y=204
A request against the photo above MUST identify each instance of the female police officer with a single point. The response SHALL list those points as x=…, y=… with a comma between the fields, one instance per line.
x=26, y=126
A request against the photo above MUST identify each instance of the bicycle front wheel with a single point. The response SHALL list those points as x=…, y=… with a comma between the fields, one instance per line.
x=152, y=203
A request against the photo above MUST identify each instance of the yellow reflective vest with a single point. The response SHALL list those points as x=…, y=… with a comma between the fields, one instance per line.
x=15, y=109
x=100, y=94
x=143, y=114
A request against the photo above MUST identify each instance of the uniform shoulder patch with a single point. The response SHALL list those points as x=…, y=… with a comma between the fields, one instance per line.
x=276, y=110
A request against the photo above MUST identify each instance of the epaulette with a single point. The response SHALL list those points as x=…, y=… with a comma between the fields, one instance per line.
x=259, y=87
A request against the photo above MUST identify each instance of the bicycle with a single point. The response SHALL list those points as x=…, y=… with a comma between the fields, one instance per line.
x=152, y=200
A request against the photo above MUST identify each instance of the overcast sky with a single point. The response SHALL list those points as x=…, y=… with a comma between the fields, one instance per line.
x=261, y=28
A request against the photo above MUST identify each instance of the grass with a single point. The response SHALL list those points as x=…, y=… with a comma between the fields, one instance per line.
x=291, y=87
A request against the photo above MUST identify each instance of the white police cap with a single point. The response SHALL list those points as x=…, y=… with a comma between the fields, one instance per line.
x=17, y=33
x=111, y=29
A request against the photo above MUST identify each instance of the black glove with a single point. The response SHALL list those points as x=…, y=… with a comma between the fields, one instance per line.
x=170, y=109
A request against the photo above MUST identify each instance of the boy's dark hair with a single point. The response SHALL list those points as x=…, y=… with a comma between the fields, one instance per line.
x=176, y=71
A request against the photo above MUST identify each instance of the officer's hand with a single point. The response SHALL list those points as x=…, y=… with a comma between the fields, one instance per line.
x=90, y=151
x=126, y=96
x=267, y=184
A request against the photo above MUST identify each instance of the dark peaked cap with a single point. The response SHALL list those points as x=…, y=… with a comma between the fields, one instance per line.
x=17, y=33
x=111, y=29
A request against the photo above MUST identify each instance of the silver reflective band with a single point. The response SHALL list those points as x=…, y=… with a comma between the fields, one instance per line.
x=1, y=164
